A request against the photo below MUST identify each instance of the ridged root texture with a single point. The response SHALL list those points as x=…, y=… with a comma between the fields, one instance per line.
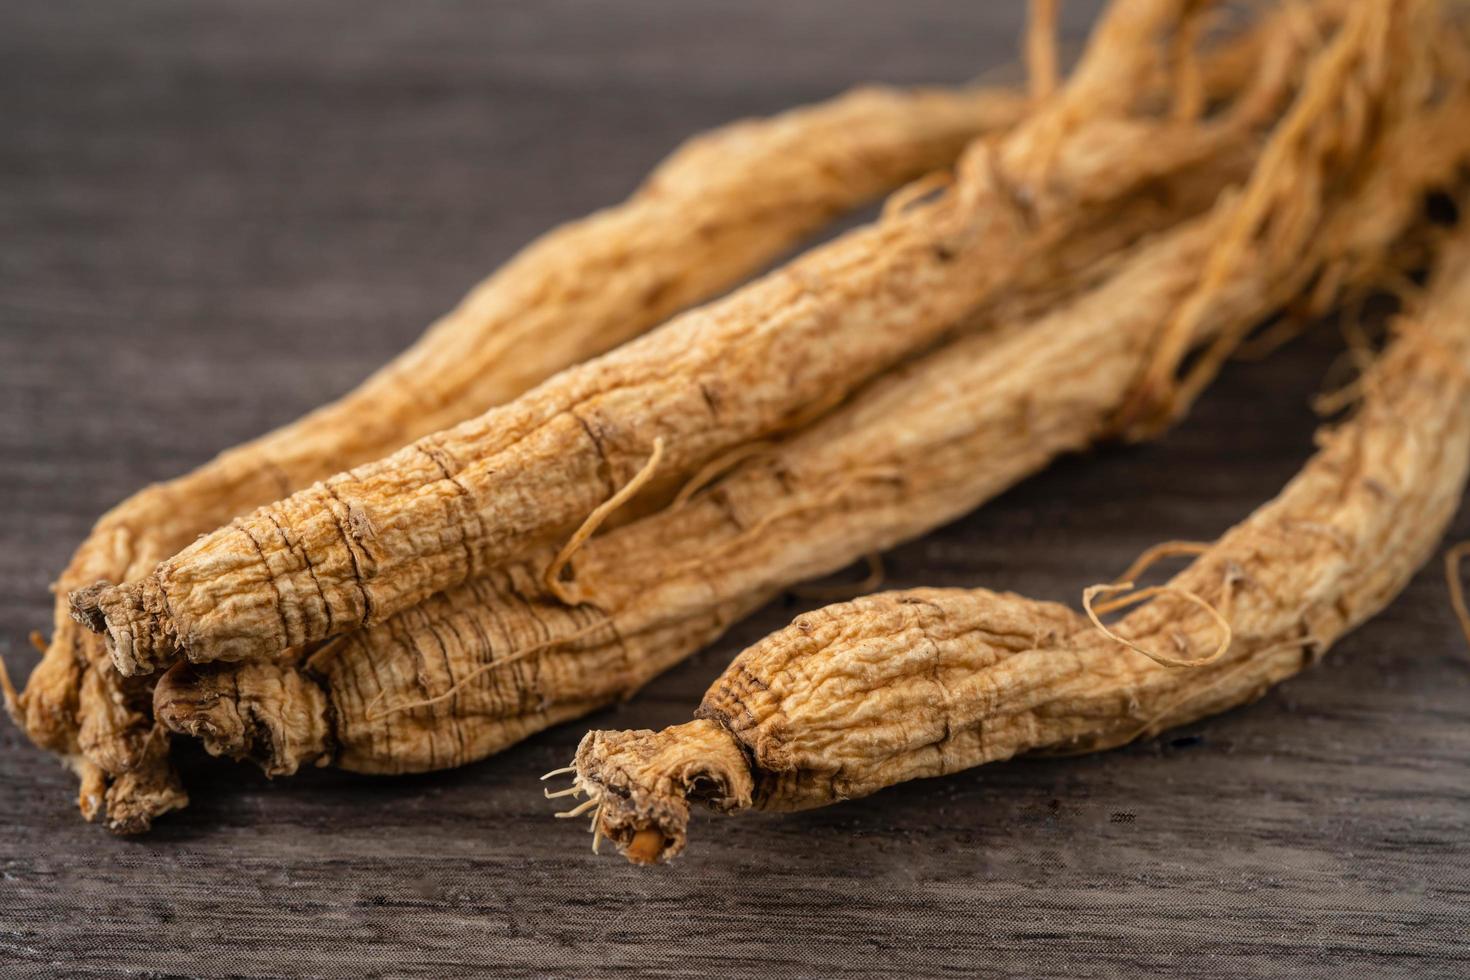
x=481, y=665
x=644, y=781
x=269, y=713
x=904, y=685
x=363, y=545
x=1224, y=74
x=715, y=211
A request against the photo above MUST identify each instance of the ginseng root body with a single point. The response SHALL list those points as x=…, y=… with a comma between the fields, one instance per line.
x=903, y=685
x=483, y=664
x=480, y=666
x=363, y=545
x=718, y=209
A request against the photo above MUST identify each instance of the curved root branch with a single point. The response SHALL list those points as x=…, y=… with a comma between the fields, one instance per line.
x=718, y=467
x=914, y=192
x=552, y=577
x=1041, y=49
x=579, y=809
x=1160, y=551
x=1163, y=660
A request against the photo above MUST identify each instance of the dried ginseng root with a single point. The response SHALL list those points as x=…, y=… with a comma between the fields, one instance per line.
x=377, y=540
x=478, y=667
x=483, y=665
x=717, y=210
x=904, y=685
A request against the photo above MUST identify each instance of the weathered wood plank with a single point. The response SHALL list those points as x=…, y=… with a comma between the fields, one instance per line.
x=281, y=195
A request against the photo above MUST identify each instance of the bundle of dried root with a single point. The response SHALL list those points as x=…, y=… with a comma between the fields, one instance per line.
x=483, y=665
x=903, y=685
x=118, y=708
x=375, y=541
x=719, y=208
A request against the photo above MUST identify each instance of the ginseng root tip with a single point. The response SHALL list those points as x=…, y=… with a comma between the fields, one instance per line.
x=646, y=846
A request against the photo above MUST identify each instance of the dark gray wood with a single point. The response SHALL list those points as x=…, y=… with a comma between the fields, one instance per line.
x=280, y=195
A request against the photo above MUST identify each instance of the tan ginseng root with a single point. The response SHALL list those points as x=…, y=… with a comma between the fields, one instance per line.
x=363, y=545
x=903, y=685
x=649, y=593
x=483, y=665
x=114, y=721
x=719, y=208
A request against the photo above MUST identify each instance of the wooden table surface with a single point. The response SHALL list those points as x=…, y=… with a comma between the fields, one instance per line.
x=268, y=199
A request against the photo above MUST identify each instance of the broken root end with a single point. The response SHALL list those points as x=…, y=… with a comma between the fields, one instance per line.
x=86, y=606
x=221, y=706
x=134, y=619
x=642, y=782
